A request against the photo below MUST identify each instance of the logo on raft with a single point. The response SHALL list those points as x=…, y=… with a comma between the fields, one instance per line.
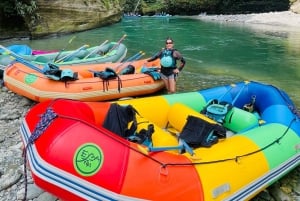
x=30, y=78
x=88, y=159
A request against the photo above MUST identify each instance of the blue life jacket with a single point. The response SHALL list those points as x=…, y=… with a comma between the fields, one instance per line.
x=167, y=60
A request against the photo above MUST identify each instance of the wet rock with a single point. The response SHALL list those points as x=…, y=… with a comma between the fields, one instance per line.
x=9, y=178
x=33, y=191
x=295, y=7
x=280, y=194
x=263, y=196
x=297, y=189
x=46, y=197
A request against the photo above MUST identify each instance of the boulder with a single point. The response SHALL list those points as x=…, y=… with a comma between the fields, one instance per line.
x=295, y=7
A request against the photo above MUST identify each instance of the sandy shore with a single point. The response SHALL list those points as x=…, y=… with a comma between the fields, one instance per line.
x=286, y=20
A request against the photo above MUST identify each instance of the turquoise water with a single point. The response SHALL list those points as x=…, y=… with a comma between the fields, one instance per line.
x=216, y=53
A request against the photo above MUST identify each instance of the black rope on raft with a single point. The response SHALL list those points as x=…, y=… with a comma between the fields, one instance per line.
x=164, y=165
x=236, y=158
x=45, y=120
x=25, y=174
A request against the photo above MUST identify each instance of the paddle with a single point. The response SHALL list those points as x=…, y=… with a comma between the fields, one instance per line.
x=227, y=92
x=117, y=44
x=70, y=41
x=95, y=50
x=134, y=57
x=71, y=54
x=239, y=93
x=20, y=59
x=130, y=60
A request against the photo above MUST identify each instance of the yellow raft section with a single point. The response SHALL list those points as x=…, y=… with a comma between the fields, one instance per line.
x=221, y=171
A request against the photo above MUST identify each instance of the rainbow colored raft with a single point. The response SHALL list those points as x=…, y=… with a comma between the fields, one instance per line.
x=78, y=153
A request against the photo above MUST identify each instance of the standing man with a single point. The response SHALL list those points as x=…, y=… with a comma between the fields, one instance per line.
x=168, y=61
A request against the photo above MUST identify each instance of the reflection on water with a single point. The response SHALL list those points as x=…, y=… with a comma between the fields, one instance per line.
x=216, y=53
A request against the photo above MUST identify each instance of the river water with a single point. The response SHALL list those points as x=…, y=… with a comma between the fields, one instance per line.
x=216, y=53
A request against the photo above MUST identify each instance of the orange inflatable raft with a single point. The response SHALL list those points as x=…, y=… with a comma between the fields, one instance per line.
x=91, y=82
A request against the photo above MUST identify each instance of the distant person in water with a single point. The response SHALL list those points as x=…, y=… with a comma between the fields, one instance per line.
x=168, y=61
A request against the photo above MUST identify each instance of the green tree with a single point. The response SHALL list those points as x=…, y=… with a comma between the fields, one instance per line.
x=18, y=13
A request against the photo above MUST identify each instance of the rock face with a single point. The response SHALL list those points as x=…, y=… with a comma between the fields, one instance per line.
x=64, y=16
x=295, y=7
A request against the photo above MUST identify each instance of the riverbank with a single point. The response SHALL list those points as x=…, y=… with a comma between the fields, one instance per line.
x=286, y=20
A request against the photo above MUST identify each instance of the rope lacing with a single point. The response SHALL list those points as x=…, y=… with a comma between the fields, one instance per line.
x=45, y=120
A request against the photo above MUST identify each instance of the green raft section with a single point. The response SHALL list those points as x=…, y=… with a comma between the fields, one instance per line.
x=276, y=141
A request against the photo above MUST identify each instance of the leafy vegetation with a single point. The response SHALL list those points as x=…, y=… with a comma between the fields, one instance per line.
x=253, y=6
x=193, y=7
x=20, y=12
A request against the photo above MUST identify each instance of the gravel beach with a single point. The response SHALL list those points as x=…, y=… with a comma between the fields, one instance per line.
x=13, y=108
x=286, y=20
